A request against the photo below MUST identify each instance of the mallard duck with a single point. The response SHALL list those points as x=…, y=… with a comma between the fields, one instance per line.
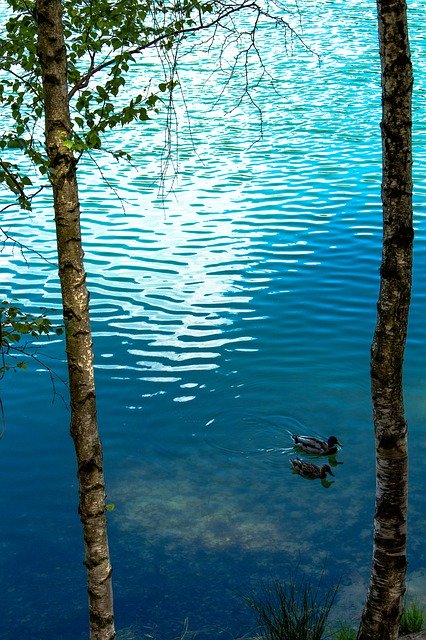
x=309, y=470
x=310, y=444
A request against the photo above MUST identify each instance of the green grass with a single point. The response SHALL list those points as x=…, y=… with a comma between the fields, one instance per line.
x=412, y=619
x=344, y=632
x=292, y=611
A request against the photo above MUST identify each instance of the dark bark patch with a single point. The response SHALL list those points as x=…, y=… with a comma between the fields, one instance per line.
x=52, y=78
x=388, y=270
x=403, y=237
x=87, y=468
x=387, y=442
x=386, y=511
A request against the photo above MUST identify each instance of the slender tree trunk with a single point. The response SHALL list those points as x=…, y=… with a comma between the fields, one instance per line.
x=382, y=611
x=75, y=299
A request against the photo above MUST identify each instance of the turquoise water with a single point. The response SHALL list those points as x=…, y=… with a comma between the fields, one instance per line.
x=240, y=309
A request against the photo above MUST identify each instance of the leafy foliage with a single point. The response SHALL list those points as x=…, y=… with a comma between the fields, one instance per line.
x=104, y=40
x=17, y=331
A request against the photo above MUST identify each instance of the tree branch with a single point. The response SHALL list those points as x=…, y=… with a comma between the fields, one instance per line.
x=180, y=33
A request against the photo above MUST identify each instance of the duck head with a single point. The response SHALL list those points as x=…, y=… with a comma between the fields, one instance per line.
x=326, y=469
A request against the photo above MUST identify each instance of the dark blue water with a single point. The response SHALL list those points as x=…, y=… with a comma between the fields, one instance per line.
x=237, y=310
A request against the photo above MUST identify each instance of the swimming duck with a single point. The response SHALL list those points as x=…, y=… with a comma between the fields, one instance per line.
x=309, y=470
x=310, y=444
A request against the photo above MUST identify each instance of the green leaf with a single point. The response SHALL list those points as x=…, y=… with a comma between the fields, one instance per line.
x=16, y=143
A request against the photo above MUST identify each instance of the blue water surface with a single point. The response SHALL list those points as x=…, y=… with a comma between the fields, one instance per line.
x=231, y=303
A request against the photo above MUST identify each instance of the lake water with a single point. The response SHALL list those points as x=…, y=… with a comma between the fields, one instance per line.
x=240, y=308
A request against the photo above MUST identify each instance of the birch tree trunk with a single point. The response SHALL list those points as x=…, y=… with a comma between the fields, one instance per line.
x=382, y=611
x=75, y=299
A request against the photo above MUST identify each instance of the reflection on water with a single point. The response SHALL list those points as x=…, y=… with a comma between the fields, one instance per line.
x=239, y=310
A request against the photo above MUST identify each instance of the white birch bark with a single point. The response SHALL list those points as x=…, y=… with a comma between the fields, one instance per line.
x=383, y=608
x=75, y=299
